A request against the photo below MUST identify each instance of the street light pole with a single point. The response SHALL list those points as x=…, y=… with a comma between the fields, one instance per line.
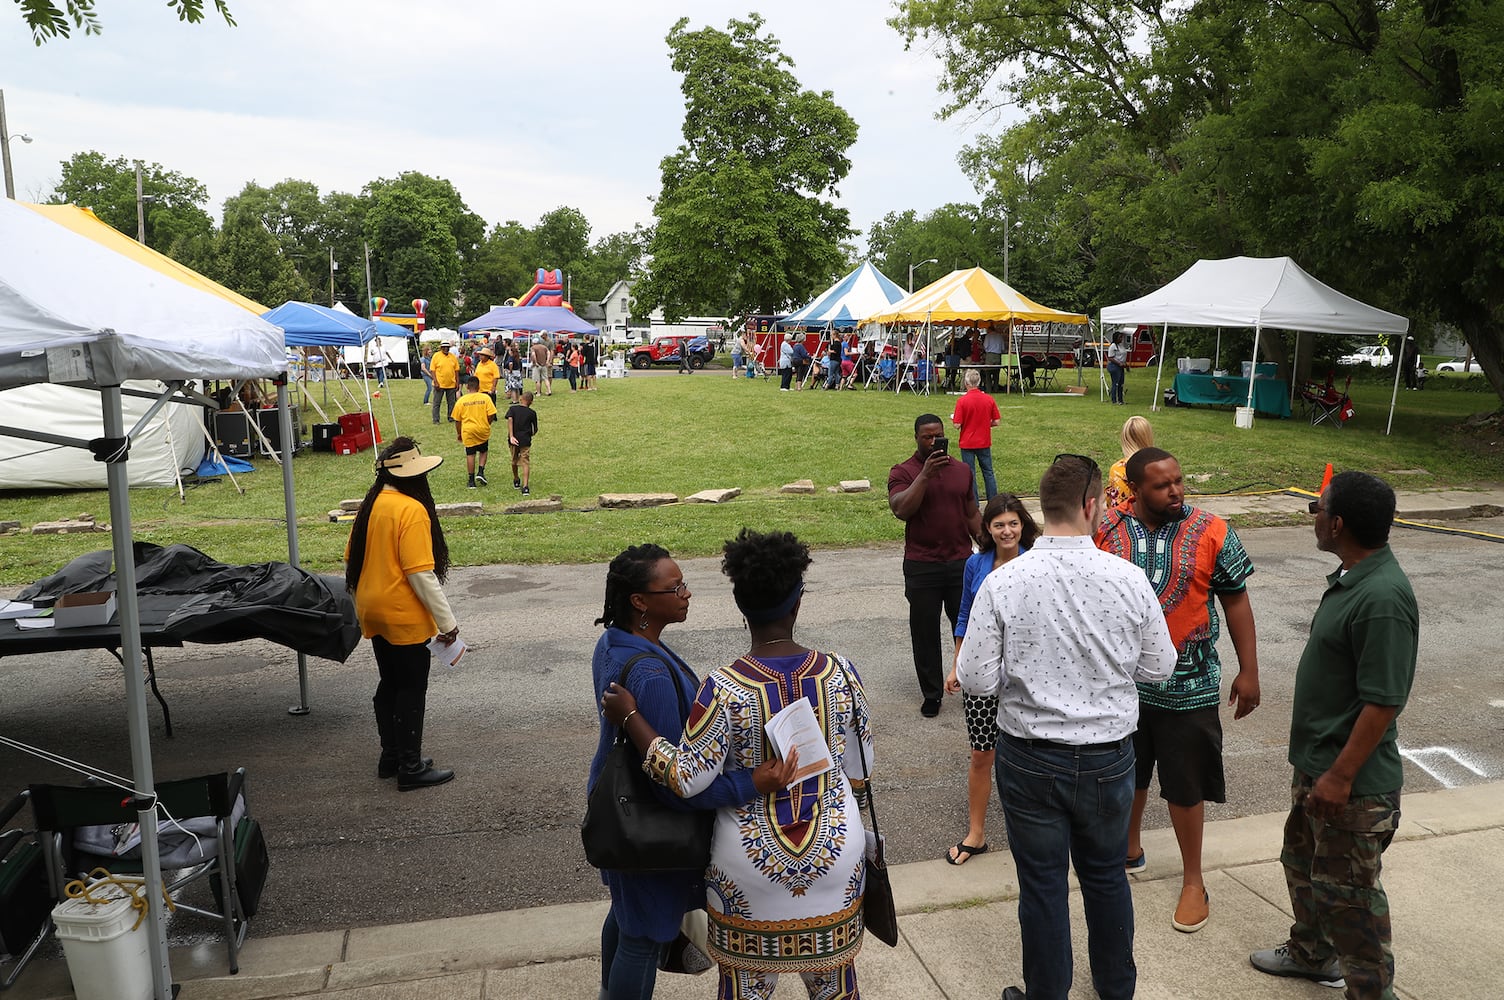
x=914, y=267
x=5, y=138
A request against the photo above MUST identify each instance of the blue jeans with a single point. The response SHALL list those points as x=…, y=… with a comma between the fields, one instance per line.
x=427, y=387
x=1115, y=373
x=974, y=457
x=1062, y=806
x=629, y=965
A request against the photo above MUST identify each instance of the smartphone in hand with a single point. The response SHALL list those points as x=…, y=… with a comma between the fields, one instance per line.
x=941, y=446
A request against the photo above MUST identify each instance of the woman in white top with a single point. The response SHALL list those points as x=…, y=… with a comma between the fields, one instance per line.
x=1117, y=364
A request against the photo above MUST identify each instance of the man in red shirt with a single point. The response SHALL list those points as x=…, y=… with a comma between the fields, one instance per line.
x=935, y=497
x=975, y=415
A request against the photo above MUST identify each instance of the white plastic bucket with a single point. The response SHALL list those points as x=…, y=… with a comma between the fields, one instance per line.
x=107, y=960
x=1243, y=417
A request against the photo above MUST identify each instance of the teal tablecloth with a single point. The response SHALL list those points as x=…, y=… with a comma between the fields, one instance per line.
x=1271, y=396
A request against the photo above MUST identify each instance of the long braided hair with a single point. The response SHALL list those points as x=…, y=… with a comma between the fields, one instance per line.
x=630, y=573
x=413, y=486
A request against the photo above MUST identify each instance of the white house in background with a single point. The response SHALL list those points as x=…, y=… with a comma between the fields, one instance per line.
x=617, y=324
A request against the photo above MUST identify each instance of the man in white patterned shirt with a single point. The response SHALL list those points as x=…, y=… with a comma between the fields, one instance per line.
x=1061, y=636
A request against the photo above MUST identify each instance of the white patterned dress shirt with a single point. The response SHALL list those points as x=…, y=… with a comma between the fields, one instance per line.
x=1060, y=635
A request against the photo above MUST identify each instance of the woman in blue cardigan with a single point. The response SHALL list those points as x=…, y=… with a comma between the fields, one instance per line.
x=1008, y=530
x=645, y=591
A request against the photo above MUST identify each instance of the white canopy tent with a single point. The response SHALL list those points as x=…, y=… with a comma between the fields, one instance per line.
x=74, y=312
x=1258, y=292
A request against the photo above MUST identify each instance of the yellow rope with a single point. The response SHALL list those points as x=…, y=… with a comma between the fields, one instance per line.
x=132, y=885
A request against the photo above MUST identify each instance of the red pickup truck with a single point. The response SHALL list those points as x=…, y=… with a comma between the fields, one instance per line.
x=665, y=351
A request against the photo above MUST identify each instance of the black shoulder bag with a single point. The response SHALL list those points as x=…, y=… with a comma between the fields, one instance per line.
x=626, y=828
x=878, y=911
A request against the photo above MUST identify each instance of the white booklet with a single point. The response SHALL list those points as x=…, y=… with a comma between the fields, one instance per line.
x=796, y=726
x=447, y=653
x=17, y=609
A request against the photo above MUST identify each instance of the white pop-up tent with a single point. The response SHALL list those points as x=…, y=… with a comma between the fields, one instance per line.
x=74, y=312
x=1258, y=292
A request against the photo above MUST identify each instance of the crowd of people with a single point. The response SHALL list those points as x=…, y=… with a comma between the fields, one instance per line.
x=1084, y=652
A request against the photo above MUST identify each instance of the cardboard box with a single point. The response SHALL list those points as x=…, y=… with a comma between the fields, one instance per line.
x=82, y=610
x=1076, y=390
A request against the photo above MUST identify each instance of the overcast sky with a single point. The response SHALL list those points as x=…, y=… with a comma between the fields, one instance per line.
x=572, y=105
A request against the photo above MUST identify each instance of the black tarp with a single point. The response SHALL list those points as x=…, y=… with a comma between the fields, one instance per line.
x=201, y=600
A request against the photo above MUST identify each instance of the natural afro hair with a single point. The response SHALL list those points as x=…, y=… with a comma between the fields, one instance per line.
x=764, y=568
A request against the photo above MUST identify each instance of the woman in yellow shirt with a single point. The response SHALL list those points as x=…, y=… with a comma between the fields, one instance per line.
x=488, y=372
x=395, y=561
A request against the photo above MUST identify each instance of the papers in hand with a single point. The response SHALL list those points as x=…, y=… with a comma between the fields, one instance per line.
x=797, y=727
x=447, y=653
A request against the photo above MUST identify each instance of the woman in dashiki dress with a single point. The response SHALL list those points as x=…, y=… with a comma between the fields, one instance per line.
x=784, y=886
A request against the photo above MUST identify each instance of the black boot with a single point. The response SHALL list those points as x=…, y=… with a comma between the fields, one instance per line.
x=413, y=770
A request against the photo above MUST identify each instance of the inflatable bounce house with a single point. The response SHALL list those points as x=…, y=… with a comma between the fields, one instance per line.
x=547, y=290
x=417, y=320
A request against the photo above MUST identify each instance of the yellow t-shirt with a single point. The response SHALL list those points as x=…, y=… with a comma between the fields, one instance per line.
x=399, y=541
x=488, y=374
x=446, y=370
x=473, y=412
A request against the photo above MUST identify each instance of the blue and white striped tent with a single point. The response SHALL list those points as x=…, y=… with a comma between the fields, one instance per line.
x=847, y=303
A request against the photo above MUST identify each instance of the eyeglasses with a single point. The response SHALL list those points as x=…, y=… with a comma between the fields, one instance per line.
x=1092, y=470
x=1315, y=507
x=680, y=591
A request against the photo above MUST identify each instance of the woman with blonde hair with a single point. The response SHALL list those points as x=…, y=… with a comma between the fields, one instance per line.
x=1136, y=434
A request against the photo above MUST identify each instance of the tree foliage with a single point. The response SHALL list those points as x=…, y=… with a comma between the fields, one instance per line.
x=47, y=19
x=1360, y=137
x=173, y=205
x=743, y=224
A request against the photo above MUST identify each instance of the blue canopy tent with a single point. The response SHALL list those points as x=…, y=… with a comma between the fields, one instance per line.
x=847, y=303
x=307, y=325
x=552, y=318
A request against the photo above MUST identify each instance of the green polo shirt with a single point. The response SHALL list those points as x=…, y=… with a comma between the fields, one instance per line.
x=1361, y=651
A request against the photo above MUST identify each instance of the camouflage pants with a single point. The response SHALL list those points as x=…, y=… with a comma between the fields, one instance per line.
x=1332, y=871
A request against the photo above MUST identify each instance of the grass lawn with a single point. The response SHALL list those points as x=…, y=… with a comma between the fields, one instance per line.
x=681, y=435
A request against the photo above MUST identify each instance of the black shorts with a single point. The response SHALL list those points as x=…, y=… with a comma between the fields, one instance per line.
x=483, y=448
x=1187, y=746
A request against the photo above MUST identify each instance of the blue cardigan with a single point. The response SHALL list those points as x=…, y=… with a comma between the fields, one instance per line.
x=977, y=569
x=652, y=904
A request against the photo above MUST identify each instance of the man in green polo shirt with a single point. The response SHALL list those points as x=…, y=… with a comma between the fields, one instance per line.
x=1354, y=678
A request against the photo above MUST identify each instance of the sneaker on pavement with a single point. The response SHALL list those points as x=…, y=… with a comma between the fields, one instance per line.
x=1279, y=962
x=930, y=708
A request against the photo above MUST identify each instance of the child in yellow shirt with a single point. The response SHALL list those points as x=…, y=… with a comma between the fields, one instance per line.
x=474, y=413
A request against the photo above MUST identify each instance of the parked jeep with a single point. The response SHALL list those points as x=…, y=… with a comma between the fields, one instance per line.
x=665, y=351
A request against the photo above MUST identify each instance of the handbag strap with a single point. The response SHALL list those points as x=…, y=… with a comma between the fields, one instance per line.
x=861, y=751
x=673, y=669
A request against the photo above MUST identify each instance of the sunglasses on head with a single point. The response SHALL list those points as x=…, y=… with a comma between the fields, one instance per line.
x=1092, y=469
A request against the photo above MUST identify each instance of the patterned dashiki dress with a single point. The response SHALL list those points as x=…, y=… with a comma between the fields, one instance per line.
x=784, y=886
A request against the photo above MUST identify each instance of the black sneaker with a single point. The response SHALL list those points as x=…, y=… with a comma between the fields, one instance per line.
x=526, y=492
x=471, y=484
x=930, y=708
x=516, y=484
x=480, y=477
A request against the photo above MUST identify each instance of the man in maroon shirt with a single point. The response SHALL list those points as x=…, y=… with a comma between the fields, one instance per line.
x=975, y=415
x=935, y=497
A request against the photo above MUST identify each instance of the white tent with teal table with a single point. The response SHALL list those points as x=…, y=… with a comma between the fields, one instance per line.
x=1257, y=292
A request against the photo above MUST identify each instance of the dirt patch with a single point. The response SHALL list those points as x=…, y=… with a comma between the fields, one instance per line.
x=1482, y=434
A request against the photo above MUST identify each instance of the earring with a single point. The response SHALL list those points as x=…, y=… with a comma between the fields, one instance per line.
x=643, y=625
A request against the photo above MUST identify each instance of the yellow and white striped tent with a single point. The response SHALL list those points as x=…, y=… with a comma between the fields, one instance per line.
x=971, y=297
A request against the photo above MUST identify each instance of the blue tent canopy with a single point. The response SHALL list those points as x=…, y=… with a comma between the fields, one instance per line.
x=847, y=303
x=528, y=318
x=307, y=325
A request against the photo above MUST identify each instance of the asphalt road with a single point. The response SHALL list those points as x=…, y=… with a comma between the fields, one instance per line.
x=517, y=721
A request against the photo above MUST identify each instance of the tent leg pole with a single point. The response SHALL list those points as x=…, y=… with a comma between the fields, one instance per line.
x=220, y=458
x=1159, y=373
x=1394, y=395
x=130, y=653
x=289, y=502
x=172, y=449
x=1253, y=369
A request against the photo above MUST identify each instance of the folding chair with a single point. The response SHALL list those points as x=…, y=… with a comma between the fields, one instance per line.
x=1326, y=404
x=25, y=902
x=207, y=838
x=1051, y=370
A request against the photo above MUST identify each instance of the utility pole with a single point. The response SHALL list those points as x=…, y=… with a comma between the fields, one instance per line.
x=332, y=267
x=140, y=209
x=369, y=308
x=1006, y=241
x=5, y=137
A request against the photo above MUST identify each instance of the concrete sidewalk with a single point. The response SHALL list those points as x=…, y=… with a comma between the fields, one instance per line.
x=959, y=929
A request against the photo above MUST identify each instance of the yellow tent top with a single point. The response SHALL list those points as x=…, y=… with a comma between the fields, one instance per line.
x=971, y=297
x=85, y=223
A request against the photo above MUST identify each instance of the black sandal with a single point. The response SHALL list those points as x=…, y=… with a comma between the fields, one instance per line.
x=964, y=852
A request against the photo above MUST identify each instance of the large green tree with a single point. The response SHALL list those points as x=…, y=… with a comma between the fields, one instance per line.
x=172, y=204
x=744, y=223
x=249, y=259
x=1358, y=136
x=422, y=237
x=47, y=19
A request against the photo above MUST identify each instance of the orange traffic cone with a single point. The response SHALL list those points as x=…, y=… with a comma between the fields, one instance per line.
x=1326, y=479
